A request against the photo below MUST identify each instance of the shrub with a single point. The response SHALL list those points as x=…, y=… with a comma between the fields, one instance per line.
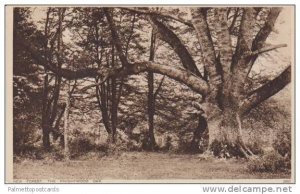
x=103, y=147
x=186, y=147
x=25, y=136
x=270, y=162
x=168, y=144
x=80, y=146
x=224, y=149
x=28, y=152
x=256, y=148
x=282, y=143
x=134, y=146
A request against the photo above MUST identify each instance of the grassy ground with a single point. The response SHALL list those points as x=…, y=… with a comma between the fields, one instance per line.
x=137, y=166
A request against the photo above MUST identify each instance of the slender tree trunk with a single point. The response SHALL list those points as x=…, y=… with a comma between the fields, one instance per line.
x=151, y=98
x=102, y=103
x=56, y=93
x=114, y=109
x=50, y=106
x=59, y=117
x=45, y=123
x=200, y=133
x=45, y=127
x=151, y=109
x=55, y=128
x=101, y=93
x=114, y=106
x=66, y=124
x=59, y=56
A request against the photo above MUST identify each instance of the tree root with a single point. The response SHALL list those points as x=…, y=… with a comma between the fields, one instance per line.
x=244, y=149
x=244, y=152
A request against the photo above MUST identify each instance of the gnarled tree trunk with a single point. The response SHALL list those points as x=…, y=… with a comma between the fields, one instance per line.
x=225, y=134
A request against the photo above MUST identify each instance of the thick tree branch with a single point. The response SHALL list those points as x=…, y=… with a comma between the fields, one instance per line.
x=242, y=56
x=266, y=91
x=265, y=31
x=244, y=42
x=246, y=29
x=247, y=50
x=181, y=75
x=172, y=39
x=207, y=49
x=224, y=40
x=194, y=82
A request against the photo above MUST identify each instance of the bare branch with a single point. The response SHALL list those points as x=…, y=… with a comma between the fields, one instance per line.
x=266, y=91
x=110, y=72
x=115, y=37
x=159, y=87
x=235, y=16
x=38, y=57
x=267, y=49
x=158, y=14
x=263, y=33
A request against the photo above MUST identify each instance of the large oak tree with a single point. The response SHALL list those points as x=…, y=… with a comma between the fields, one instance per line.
x=230, y=43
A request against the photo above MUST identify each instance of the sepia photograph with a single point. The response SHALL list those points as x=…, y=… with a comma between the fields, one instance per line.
x=150, y=94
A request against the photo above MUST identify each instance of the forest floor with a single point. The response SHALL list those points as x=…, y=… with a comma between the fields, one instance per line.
x=139, y=166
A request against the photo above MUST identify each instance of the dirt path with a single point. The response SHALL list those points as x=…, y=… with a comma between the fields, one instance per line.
x=139, y=166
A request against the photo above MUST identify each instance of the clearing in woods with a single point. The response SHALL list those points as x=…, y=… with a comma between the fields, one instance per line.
x=140, y=166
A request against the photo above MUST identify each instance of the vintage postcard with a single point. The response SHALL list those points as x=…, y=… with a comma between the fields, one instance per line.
x=150, y=94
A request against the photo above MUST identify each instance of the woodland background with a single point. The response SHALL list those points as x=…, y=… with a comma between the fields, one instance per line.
x=93, y=82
